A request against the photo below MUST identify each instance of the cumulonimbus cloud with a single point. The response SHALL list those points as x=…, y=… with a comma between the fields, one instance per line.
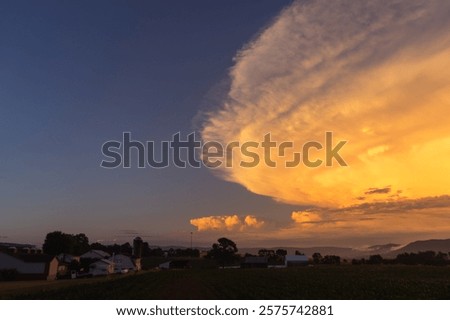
x=375, y=73
x=227, y=222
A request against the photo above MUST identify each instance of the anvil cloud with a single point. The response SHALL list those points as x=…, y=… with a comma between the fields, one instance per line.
x=376, y=74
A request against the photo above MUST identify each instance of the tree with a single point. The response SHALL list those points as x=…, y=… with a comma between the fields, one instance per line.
x=331, y=259
x=80, y=244
x=266, y=253
x=375, y=259
x=317, y=258
x=281, y=252
x=57, y=242
x=224, y=251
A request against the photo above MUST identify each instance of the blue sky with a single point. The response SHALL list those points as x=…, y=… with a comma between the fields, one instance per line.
x=75, y=74
x=78, y=73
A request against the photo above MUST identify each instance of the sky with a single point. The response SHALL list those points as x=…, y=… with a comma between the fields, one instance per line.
x=77, y=74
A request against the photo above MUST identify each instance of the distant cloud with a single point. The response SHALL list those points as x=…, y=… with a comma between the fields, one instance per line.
x=430, y=214
x=305, y=217
x=378, y=190
x=375, y=73
x=227, y=222
x=395, y=220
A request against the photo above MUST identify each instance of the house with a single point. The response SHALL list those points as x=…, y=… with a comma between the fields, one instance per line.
x=101, y=267
x=295, y=260
x=67, y=265
x=255, y=262
x=123, y=263
x=30, y=266
x=95, y=255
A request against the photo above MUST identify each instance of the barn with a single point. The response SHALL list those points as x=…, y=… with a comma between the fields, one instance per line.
x=295, y=260
x=255, y=262
x=30, y=266
x=101, y=267
x=122, y=263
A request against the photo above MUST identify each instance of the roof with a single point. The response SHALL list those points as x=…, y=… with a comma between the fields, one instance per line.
x=294, y=258
x=95, y=254
x=122, y=261
x=103, y=261
x=16, y=245
x=30, y=258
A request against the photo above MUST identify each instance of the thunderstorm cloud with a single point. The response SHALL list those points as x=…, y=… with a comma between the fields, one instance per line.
x=375, y=73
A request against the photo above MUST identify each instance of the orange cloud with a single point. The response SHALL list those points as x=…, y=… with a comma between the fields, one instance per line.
x=303, y=217
x=379, y=81
x=227, y=222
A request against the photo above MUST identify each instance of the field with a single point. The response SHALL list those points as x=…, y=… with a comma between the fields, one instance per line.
x=322, y=282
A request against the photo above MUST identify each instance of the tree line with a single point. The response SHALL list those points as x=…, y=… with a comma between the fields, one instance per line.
x=58, y=242
x=421, y=258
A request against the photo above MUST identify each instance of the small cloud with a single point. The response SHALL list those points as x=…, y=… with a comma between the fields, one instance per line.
x=252, y=221
x=305, y=217
x=227, y=222
x=378, y=190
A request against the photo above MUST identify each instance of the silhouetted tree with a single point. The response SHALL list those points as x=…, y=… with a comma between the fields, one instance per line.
x=266, y=253
x=98, y=246
x=317, y=258
x=81, y=244
x=281, y=252
x=126, y=249
x=224, y=251
x=331, y=259
x=375, y=259
x=57, y=242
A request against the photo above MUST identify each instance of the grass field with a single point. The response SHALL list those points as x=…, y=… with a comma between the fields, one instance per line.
x=320, y=282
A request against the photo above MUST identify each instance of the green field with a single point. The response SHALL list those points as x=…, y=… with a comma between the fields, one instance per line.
x=319, y=282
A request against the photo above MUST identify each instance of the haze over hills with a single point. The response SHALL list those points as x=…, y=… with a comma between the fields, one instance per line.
x=442, y=245
x=389, y=250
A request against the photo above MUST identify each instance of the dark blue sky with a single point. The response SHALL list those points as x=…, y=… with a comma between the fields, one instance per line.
x=75, y=74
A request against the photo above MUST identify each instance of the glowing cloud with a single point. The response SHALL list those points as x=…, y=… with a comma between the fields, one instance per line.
x=305, y=217
x=376, y=74
x=230, y=223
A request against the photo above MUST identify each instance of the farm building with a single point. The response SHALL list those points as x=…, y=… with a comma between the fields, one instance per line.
x=95, y=255
x=66, y=263
x=122, y=263
x=295, y=260
x=30, y=266
x=101, y=267
x=255, y=262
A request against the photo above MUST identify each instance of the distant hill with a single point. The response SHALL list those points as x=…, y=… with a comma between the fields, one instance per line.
x=343, y=252
x=384, y=247
x=435, y=245
x=389, y=250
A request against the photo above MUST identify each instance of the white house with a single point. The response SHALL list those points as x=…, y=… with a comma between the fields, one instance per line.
x=95, y=254
x=101, y=267
x=295, y=260
x=122, y=263
x=30, y=266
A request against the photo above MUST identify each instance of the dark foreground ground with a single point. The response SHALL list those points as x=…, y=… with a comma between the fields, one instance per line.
x=319, y=282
